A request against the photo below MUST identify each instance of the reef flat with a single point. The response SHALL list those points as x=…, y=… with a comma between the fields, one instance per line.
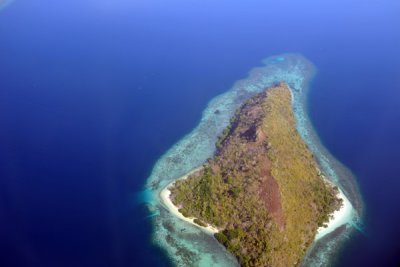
x=188, y=245
x=263, y=188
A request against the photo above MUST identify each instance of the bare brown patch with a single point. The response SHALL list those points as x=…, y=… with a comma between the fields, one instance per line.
x=270, y=194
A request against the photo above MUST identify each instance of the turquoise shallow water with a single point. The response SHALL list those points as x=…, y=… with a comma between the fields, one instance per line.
x=185, y=244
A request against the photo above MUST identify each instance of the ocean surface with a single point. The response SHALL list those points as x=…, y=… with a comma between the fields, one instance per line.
x=93, y=93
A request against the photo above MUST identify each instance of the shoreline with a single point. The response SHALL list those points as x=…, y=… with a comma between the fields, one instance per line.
x=165, y=196
x=337, y=218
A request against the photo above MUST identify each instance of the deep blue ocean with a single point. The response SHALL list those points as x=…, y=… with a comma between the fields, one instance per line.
x=93, y=92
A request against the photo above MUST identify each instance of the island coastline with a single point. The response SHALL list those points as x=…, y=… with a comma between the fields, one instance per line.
x=338, y=218
x=198, y=145
x=165, y=196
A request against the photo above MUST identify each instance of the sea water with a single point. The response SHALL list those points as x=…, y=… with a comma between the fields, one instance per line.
x=92, y=93
x=4, y=3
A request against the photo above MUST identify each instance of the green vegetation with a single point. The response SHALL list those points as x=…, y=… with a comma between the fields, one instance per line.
x=263, y=189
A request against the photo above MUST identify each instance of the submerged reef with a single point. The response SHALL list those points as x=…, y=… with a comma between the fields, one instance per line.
x=263, y=188
x=188, y=245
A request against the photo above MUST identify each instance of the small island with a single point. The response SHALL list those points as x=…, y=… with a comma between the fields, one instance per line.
x=262, y=195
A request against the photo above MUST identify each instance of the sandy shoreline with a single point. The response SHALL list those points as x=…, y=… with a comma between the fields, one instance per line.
x=339, y=217
x=165, y=196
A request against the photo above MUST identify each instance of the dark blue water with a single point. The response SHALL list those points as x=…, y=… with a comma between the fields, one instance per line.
x=92, y=93
x=357, y=115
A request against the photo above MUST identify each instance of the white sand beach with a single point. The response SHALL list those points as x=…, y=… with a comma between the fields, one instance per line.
x=166, y=200
x=165, y=197
x=339, y=217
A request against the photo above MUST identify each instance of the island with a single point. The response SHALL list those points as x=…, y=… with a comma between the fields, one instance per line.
x=262, y=194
